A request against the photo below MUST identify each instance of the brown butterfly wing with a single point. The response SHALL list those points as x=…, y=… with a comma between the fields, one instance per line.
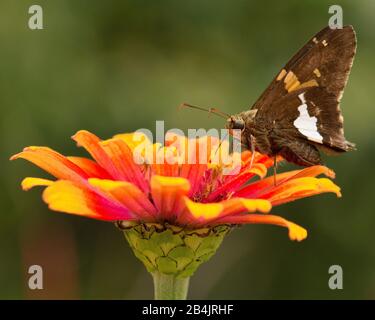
x=300, y=108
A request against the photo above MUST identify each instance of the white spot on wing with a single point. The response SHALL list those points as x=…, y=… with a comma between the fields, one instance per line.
x=301, y=96
x=306, y=124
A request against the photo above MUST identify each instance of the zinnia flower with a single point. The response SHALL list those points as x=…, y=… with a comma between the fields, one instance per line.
x=174, y=215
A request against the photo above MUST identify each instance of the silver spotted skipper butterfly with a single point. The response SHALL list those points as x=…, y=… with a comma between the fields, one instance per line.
x=299, y=113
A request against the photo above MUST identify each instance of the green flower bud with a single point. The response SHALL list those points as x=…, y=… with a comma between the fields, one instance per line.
x=173, y=250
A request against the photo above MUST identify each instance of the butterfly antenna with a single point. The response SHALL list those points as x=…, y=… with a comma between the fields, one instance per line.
x=209, y=110
x=219, y=113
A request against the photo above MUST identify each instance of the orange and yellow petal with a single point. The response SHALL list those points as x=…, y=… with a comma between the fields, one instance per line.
x=209, y=212
x=315, y=171
x=114, y=155
x=233, y=183
x=91, y=143
x=203, y=211
x=238, y=205
x=300, y=188
x=296, y=232
x=133, y=139
x=168, y=193
x=129, y=195
x=31, y=182
x=259, y=158
x=53, y=162
x=122, y=158
x=65, y=196
x=91, y=168
x=264, y=186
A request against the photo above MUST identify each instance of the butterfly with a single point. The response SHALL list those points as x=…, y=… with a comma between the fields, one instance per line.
x=299, y=115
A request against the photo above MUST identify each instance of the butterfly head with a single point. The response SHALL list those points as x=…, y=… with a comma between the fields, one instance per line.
x=235, y=122
x=241, y=120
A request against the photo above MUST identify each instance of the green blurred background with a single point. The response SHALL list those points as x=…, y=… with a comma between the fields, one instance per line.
x=116, y=66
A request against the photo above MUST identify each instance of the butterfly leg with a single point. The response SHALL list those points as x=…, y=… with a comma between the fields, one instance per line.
x=274, y=169
x=252, y=146
x=221, y=142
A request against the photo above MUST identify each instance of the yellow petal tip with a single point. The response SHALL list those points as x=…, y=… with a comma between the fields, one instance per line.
x=30, y=182
x=257, y=205
x=297, y=233
x=171, y=182
x=203, y=210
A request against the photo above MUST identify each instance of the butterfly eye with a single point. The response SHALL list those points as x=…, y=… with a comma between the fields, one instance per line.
x=238, y=124
x=229, y=123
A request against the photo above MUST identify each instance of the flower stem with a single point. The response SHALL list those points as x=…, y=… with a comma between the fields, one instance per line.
x=170, y=287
